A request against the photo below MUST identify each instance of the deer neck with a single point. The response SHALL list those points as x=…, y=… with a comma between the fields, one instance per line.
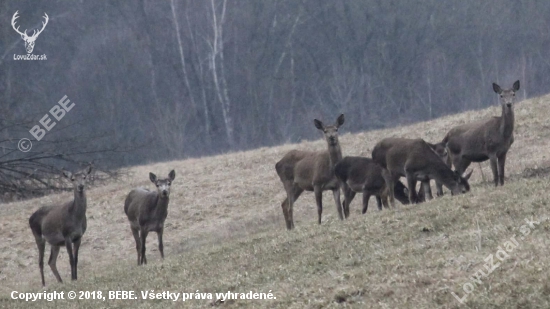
x=442, y=173
x=79, y=204
x=162, y=206
x=334, y=154
x=507, y=121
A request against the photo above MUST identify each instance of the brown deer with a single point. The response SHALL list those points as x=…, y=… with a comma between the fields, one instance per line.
x=362, y=175
x=415, y=160
x=311, y=171
x=60, y=225
x=147, y=210
x=441, y=150
x=488, y=139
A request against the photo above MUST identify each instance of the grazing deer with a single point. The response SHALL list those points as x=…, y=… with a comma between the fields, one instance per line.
x=416, y=160
x=362, y=175
x=441, y=150
x=488, y=139
x=312, y=171
x=62, y=225
x=147, y=210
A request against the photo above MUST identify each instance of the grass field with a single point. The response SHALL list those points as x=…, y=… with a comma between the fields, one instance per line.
x=225, y=232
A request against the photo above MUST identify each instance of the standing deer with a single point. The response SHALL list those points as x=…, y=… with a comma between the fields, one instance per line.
x=416, y=160
x=312, y=171
x=488, y=139
x=362, y=175
x=60, y=225
x=147, y=210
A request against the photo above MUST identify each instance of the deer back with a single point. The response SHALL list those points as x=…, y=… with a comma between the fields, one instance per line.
x=479, y=137
x=359, y=173
x=395, y=153
x=286, y=167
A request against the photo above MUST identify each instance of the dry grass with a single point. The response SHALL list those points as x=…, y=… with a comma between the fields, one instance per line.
x=225, y=231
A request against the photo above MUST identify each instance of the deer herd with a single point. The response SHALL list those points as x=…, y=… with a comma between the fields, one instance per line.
x=393, y=158
x=299, y=171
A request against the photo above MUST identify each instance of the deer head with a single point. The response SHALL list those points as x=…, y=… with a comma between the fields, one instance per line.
x=507, y=96
x=78, y=180
x=462, y=185
x=330, y=132
x=163, y=185
x=29, y=40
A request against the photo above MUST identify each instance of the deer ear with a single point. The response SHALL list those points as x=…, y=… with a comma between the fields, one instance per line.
x=515, y=87
x=468, y=175
x=67, y=174
x=340, y=120
x=153, y=177
x=457, y=175
x=318, y=124
x=497, y=89
x=172, y=175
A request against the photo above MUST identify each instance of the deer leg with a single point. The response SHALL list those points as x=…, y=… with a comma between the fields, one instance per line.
x=421, y=197
x=52, y=262
x=348, y=197
x=161, y=246
x=384, y=200
x=366, y=197
x=336, y=195
x=69, y=246
x=382, y=197
x=41, y=244
x=297, y=191
x=143, y=234
x=501, y=162
x=439, y=187
x=493, y=160
x=319, y=200
x=390, y=186
x=135, y=232
x=292, y=194
x=286, y=204
x=411, y=183
x=76, y=247
x=427, y=190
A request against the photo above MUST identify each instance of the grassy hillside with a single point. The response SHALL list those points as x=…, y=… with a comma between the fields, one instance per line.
x=225, y=232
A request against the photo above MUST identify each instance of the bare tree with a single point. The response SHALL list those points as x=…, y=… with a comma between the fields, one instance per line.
x=217, y=64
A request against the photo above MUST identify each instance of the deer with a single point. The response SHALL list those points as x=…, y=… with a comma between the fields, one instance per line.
x=488, y=139
x=312, y=171
x=29, y=40
x=441, y=150
x=363, y=175
x=415, y=160
x=146, y=211
x=62, y=225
